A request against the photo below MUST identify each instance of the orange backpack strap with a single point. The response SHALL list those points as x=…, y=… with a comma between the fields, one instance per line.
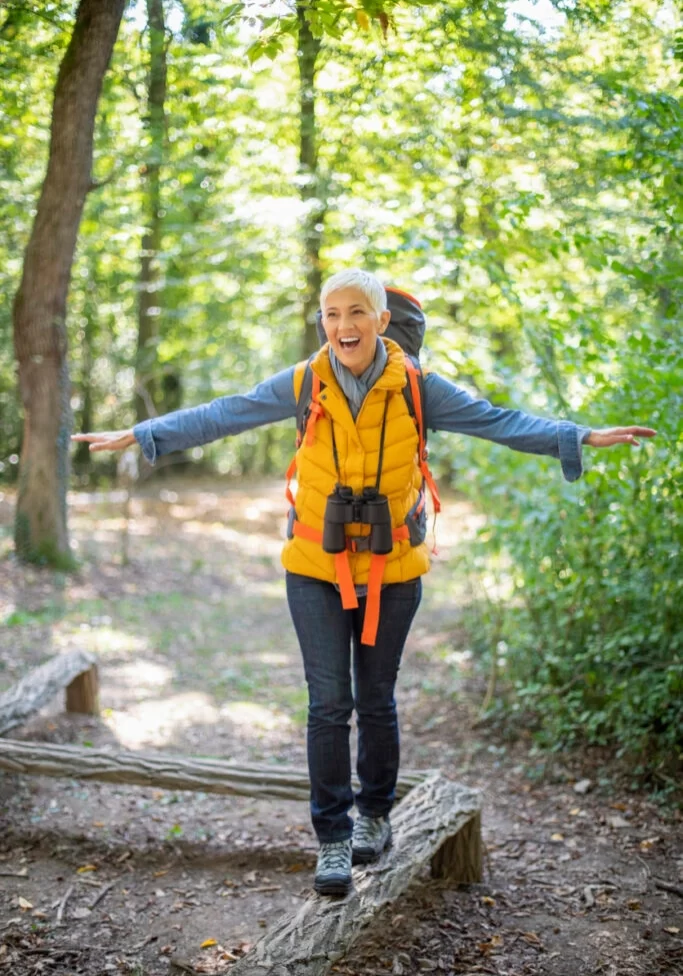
x=307, y=386
x=414, y=375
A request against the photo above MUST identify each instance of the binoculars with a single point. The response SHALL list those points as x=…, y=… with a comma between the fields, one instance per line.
x=370, y=508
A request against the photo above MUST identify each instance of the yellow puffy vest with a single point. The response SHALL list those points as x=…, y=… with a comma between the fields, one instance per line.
x=358, y=445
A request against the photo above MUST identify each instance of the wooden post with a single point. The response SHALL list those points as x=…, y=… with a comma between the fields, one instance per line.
x=82, y=695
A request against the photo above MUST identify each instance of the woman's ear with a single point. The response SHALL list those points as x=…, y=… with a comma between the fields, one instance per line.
x=384, y=318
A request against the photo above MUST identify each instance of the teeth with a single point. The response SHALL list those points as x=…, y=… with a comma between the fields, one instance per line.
x=349, y=342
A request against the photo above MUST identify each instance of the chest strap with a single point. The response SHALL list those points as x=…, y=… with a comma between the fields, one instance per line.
x=342, y=568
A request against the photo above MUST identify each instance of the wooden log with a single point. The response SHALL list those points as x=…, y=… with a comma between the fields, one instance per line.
x=459, y=858
x=36, y=689
x=167, y=772
x=83, y=694
x=309, y=941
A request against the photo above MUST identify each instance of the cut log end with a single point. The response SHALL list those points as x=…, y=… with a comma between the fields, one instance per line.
x=83, y=693
x=459, y=859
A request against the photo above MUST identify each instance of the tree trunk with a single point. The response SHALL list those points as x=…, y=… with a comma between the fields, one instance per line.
x=314, y=206
x=40, y=343
x=147, y=392
x=82, y=457
x=164, y=771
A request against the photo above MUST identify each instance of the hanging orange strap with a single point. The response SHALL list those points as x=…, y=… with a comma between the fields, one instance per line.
x=371, y=619
x=347, y=590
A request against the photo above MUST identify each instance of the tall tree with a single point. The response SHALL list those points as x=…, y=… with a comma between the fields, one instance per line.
x=40, y=305
x=312, y=193
x=147, y=396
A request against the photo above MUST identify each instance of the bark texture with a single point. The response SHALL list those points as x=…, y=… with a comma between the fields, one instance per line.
x=40, y=304
x=312, y=190
x=39, y=687
x=163, y=771
x=314, y=937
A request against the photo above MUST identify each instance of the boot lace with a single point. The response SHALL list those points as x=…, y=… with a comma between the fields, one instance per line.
x=367, y=831
x=334, y=856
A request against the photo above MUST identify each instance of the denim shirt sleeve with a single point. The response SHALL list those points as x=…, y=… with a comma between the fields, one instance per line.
x=450, y=408
x=270, y=401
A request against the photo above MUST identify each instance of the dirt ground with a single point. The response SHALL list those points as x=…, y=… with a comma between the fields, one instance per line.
x=583, y=874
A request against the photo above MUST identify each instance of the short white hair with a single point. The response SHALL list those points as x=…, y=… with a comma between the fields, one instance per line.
x=364, y=281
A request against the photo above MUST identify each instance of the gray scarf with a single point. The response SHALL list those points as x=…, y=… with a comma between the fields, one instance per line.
x=356, y=388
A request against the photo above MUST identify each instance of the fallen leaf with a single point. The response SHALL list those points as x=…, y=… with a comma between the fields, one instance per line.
x=86, y=867
x=487, y=900
x=531, y=938
x=619, y=806
x=672, y=930
x=633, y=904
x=486, y=948
x=24, y=904
x=649, y=842
x=575, y=811
x=208, y=943
x=617, y=823
x=557, y=838
x=99, y=823
x=160, y=874
x=294, y=868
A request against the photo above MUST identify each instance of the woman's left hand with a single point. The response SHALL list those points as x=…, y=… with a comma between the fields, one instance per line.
x=618, y=435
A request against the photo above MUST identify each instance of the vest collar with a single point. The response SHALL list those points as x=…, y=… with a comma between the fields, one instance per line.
x=393, y=377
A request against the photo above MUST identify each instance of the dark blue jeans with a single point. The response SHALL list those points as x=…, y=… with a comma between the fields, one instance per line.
x=326, y=634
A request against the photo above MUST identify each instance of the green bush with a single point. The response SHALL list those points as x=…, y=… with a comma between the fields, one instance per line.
x=592, y=620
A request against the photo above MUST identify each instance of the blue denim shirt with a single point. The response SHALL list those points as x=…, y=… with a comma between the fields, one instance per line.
x=447, y=407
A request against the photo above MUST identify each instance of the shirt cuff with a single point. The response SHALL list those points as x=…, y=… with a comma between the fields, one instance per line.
x=570, y=439
x=143, y=435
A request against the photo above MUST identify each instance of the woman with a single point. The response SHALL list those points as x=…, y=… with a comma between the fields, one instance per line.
x=358, y=458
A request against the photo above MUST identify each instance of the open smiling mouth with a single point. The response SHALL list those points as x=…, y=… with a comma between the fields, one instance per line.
x=349, y=342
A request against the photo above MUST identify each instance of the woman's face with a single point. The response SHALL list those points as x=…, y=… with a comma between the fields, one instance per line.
x=352, y=326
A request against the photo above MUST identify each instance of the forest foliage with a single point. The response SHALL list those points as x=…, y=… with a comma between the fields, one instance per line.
x=518, y=168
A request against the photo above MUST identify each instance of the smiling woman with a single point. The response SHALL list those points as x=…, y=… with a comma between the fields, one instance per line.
x=354, y=313
x=354, y=557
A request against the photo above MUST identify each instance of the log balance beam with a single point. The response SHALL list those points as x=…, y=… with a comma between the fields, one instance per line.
x=437, y=825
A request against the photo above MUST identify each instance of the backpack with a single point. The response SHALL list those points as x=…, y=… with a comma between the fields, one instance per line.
x=406, y=327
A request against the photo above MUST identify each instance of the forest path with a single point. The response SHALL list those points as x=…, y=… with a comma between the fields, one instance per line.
x=198, y=656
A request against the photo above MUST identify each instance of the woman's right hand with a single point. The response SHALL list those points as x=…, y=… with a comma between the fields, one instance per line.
x=108, y=440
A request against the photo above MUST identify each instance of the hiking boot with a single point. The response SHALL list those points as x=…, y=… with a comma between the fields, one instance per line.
x=371, y=835
x=333, y=871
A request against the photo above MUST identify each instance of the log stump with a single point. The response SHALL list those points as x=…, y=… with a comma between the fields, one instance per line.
x=77, y=672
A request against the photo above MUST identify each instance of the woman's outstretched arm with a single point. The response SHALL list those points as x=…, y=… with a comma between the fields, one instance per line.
x=451, y=408
x=268, y=402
